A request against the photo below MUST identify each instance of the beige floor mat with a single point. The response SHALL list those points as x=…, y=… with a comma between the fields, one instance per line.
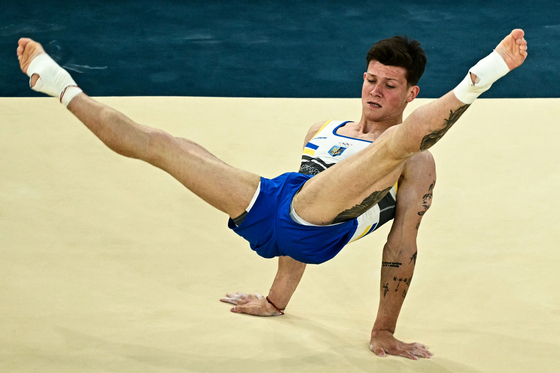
x=109, y=265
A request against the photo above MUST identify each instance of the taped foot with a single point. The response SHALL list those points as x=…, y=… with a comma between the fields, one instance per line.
x=509, y=54
x=52, y=79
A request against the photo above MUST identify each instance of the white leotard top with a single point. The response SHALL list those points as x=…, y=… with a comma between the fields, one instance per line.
x=326, y=149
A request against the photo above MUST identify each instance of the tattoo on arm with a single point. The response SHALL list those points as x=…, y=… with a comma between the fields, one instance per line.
x=401, y=280
x=429, y=140
x=392, y=264
x=366, y=204
x=427, y=199
x=413, y=258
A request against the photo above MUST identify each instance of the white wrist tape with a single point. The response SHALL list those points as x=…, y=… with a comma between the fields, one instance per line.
x=53, y=79
x=487, y=71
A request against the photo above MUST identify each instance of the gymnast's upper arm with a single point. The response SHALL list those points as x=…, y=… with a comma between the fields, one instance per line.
x=312, y=131
x=414, y=198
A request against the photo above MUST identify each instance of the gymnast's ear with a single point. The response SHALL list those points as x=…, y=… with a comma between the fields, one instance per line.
x=412, y=93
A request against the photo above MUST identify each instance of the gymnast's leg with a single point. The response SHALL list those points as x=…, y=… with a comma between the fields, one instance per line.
x=354, y=185
x=222, y=186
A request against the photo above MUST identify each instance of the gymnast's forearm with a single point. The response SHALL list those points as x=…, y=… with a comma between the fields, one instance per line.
x=114, y=129
x=288, y=277
x=396, y=275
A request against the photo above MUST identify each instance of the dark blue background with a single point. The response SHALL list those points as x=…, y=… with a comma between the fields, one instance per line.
x=272, y=48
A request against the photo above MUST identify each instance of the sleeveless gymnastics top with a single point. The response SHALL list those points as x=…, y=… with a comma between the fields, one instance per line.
x=326, y=149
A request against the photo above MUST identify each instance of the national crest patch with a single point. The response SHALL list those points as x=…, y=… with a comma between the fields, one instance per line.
x=337, y=150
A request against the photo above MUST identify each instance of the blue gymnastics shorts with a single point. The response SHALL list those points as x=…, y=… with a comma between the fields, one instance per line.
x=271, y=232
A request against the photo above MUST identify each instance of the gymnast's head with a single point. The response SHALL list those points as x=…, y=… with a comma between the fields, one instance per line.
x=402, y=52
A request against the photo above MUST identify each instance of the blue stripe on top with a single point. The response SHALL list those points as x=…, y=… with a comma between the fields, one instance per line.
x=347, y=137
x=312, y=146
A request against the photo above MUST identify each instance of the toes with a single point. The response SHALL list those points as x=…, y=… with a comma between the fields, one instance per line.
x=517, y=33
x=22, y=42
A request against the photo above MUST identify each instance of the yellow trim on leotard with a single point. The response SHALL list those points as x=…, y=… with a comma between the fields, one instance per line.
x=396, y=187
x=308, y=151
x=361, y=235
x=320, y=129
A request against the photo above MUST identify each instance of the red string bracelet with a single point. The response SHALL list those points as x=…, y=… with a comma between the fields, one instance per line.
x=273, y=305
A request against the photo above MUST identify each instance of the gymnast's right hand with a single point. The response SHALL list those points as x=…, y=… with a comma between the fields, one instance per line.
x=250, y=304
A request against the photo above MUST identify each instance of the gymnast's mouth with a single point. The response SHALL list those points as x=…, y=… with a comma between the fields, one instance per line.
x=374, y=104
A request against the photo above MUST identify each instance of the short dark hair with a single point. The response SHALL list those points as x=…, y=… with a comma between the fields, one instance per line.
x=402, y=52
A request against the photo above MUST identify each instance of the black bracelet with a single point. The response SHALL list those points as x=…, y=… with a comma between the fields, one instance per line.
x=273, y=305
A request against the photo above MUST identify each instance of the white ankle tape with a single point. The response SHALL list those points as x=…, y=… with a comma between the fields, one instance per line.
x=69, y=93
x=53, y=79
x=487, y=70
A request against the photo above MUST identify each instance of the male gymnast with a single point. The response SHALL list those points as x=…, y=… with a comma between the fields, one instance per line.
x=352, y=174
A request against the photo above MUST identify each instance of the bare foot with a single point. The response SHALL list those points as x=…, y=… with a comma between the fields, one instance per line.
x=27, y=50
x=513, y=49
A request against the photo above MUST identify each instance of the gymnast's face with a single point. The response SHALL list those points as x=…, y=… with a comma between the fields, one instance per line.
x=385, y=93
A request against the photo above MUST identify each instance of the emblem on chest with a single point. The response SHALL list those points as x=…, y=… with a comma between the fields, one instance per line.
x=338, y=149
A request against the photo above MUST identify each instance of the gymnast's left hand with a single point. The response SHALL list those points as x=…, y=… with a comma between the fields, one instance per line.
x=383, y=343
x=250, y=304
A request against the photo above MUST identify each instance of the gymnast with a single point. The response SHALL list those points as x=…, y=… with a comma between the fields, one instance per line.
x=354, y=176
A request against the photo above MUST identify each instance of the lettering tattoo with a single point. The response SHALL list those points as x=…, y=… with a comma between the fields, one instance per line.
x=427, y=200
x=429, y=140
x=399, y=281
x=392, y=264
x=413, y=258
x=366, y=204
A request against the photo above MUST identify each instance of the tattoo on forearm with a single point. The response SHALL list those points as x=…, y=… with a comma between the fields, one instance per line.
x=413, y=258
x=392, y=264
x=401, y=280
x=429, y=140
x=427, y=199
x=366, y=204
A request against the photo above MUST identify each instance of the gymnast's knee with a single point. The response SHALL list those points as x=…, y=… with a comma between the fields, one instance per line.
x=164, y=147
x=160, y=144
